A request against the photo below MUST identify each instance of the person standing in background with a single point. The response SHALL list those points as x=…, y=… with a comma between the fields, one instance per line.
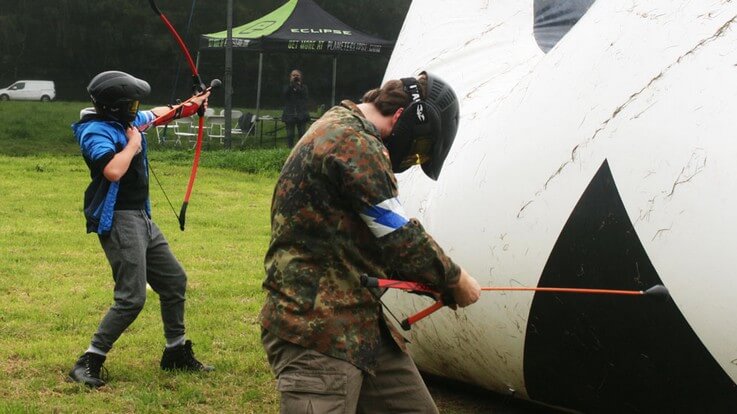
x=295, y=112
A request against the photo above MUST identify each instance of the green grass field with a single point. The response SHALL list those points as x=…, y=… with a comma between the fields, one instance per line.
x=55, y=283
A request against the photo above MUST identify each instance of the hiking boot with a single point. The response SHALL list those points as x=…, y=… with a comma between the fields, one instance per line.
x=87, y=370
x=181, y=357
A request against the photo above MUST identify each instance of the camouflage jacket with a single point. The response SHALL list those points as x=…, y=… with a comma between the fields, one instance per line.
x=334, y=216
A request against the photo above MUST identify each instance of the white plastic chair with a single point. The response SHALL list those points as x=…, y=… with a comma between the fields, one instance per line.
x=184, y=129
x=234, y=114
x=216, y=128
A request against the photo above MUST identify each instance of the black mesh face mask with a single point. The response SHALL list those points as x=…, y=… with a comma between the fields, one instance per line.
x=124, y=111
x=426, y=129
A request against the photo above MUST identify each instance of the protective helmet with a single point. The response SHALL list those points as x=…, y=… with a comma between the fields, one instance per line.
x=426, y=129
x=116, y=94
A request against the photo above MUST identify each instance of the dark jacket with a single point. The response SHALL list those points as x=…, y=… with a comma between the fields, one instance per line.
x=295, y=104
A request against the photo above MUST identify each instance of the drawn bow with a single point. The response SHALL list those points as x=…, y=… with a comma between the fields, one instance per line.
x=657, y=291
x=198, y=88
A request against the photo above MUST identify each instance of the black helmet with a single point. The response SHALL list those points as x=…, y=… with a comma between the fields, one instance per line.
x=117, y=95
x=426, y=129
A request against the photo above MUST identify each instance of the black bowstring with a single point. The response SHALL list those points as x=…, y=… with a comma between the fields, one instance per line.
x=384, y=305
x=156, y=177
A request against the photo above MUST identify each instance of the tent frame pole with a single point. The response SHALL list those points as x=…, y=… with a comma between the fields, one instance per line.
x=258, y=90
x=335, y=67
x=229, y=75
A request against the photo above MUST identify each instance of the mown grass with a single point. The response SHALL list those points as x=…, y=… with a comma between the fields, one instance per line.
x=55, y=283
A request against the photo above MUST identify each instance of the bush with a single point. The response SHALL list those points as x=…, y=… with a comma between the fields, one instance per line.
x=35, y=128
x=255, y=161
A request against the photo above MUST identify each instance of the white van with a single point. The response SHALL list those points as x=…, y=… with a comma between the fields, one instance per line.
x=29, y=90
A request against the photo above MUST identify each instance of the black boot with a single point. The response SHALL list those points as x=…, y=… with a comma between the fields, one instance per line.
x=182, y=358
x=87, y=370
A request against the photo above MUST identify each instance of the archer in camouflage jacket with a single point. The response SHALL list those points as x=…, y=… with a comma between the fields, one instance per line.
x=334, y=216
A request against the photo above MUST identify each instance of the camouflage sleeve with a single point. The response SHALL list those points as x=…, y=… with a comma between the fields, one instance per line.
x=414, y=255
x=361, y=169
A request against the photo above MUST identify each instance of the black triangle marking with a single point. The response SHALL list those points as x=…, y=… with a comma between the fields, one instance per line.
x=614, y=354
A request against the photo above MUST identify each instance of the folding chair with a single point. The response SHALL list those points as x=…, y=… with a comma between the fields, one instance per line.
x=245, y=127
x=183, y=130
x=162, y=131
x=166, y=134
x=216, y=128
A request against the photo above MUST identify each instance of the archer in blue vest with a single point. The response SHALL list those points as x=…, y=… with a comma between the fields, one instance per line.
x=117, y=208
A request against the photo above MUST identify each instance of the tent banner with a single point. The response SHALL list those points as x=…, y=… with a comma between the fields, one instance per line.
x=209, y=42
x=333, y=46
x=298, y=26
x=298, y=45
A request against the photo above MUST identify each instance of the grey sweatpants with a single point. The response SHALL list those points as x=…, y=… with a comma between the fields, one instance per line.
x=314, y=383
x=138, y=253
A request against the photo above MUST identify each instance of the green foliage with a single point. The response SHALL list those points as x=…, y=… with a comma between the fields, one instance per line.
x=44, y=128
x=262, y=161
x=37, y=127
x=258, y=161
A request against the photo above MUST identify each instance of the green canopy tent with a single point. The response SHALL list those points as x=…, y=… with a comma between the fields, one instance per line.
x=298, y=26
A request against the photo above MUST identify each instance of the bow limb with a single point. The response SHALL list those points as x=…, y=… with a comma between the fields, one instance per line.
x=196, y=80
x=407, y=323
x=413, y=287
x=198, y=87
x=192, y=174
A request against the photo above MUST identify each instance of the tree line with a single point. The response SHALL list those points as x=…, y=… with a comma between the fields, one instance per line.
x=69, y=41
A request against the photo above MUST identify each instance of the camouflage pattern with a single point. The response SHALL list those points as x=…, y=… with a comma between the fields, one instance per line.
x=320, y=245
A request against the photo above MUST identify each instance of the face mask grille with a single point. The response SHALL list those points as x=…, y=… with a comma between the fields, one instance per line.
x=419, y=154
x=133, y=109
